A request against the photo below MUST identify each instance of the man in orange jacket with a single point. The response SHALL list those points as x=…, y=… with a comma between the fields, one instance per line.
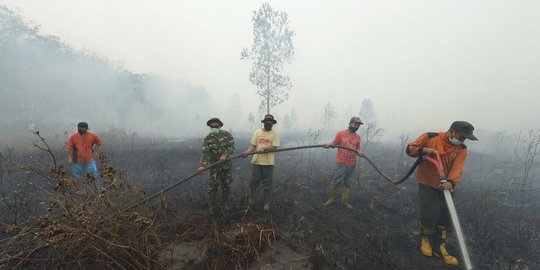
x=81, y=146
x=434, y=215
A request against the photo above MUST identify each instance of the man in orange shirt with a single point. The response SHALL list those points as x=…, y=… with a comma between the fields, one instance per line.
x=434, y=215
x=81, y=146
x=346, y=161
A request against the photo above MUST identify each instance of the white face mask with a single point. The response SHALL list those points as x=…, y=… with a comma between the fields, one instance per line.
x=214, y=130
x=455, y=141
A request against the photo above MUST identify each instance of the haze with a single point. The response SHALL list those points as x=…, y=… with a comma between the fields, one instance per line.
x=423, y=64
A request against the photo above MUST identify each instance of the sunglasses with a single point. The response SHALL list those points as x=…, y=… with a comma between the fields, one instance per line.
x=212, y=126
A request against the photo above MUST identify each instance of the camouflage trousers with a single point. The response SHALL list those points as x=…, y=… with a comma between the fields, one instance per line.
x=220, y=176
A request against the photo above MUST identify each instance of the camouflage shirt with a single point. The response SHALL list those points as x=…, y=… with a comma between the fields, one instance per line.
x=215, y=145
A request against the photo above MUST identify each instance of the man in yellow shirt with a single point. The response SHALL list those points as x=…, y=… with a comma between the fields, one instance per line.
x=263, y=139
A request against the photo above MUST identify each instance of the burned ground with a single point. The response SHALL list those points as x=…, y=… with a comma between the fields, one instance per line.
x=500, y=218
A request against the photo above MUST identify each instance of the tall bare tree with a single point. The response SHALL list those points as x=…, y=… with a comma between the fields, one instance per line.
x=293, y=119
x=367, y=112
x=234, y=105
x=251, y=120
x=371, y=131
x=272, y=48
x=328, y=116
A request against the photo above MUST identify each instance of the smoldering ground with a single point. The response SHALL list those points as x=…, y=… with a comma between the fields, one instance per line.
x=497, y=203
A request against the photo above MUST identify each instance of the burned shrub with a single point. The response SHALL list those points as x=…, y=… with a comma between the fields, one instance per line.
x=83, y=224
x=238, y=246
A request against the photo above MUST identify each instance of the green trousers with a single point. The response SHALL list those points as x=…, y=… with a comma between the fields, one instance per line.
x=262, y=174
x=433, y=208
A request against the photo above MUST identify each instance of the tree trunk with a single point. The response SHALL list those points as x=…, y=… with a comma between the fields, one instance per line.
x=268, y=101
x=268, y=89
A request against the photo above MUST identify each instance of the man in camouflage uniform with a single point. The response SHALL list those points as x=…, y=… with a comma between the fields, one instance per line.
x=218, y=145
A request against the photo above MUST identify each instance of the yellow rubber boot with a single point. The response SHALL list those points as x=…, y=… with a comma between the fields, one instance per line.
x=346, y=196
x=425, y=245
x=331, y=196
x=447, y=258
x=443, y=253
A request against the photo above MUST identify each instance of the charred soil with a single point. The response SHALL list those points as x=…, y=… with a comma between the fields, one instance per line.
x=382, y=232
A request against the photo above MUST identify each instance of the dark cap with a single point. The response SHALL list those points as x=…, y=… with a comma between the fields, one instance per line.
x=464, y=128
x=214, y=120
x=356, y=119
x=269, y=118
x=82, y=125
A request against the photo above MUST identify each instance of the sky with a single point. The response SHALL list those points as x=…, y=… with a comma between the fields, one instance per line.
x=423, y=63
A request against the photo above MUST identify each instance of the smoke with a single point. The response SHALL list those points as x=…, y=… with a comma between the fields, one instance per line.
x=46, y=85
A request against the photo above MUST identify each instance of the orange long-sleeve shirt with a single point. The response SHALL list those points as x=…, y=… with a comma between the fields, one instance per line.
x=452, y=156
x=80, y=146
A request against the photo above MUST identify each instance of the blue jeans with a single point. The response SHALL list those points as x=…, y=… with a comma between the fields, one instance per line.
x=91, y=168
x=342, y=175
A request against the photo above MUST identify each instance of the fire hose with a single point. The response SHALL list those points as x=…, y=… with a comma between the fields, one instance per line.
x=218, y=163
x=436, y=161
